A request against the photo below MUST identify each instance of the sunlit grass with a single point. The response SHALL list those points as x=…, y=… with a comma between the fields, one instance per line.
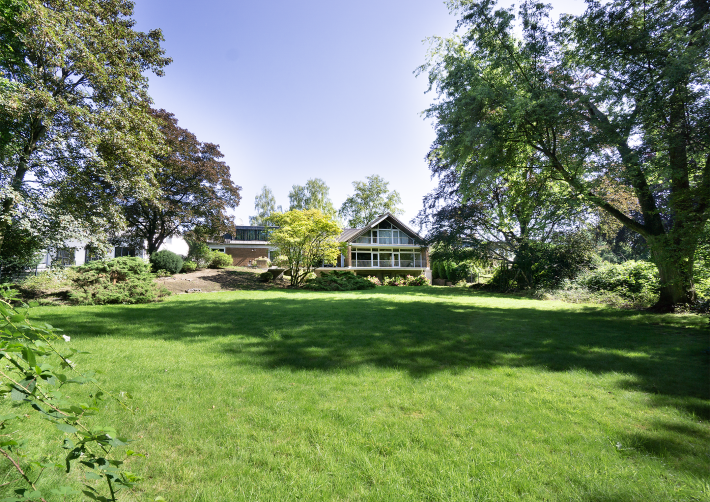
x=403, y=394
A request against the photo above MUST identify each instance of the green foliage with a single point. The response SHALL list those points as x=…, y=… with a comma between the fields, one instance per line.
x=339, y=280
x=21, y=249
x=370, y=200
x=74, y=113
x=265, y=277
x=408, y=280
x=166, y=260
x=630, y=279
x=37, y=378
x=306, y=238
x=544, y=264
x=265, y=206
x=188, y=266
x=199, y=253
x=54, y=278
x=609, y=108
x=220, y=260
x=312, y=195
x=121, y=280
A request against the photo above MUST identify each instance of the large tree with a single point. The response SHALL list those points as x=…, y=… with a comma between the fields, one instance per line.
x=195, y=190
x=265, y=205
x=73, y=90
x=370, y=199
x=313, y=195
x=307, y=238
x=615, y=97
x=492, y=215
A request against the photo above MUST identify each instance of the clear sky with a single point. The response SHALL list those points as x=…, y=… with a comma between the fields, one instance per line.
x=293, y=90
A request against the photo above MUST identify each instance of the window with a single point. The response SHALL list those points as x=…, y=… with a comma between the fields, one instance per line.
x=221, y=250
x=65, y=257
x=120, y=251
x=91, y=254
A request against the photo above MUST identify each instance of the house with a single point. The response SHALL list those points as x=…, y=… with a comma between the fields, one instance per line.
x=383, y=247
x=246, y=245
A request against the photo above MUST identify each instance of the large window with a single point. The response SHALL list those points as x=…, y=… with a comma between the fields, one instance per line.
x=65, y=257
x=251, y=234
x=385, y=233
x=120, y=251
x=389, y=258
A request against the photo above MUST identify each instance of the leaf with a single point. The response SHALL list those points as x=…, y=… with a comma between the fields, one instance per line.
x=29, y=356
x=92, y=475
x=67, y=428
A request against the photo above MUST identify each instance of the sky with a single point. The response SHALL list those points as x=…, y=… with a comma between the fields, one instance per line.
x=293, y=90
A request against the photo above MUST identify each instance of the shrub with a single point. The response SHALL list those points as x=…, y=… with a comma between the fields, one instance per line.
x=200, y=253
x=339, y=281
x=166, y=260
x=265, y=276
x=220, y=260
x=420, y=280
x=121, y=280
x=374, y=280
x=52, y=279
x=629, y=279
x=281, y=261
x=188, y=266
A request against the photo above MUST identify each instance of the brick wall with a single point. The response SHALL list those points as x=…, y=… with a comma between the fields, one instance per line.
x=242, y=256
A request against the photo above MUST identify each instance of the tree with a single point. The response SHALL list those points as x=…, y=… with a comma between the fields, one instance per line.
x=306, y=238
x=616, y=97
x=492, y=215
x=312, y=195
x=265, y=205
x=369, y=201
x=74, y=114
x=195, y=190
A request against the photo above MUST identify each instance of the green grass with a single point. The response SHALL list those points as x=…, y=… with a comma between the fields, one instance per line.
x=403, y=394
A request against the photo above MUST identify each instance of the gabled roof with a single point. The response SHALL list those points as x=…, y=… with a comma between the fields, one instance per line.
x=350, y=234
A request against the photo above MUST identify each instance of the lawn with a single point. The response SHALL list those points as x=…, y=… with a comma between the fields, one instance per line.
x=402, y=394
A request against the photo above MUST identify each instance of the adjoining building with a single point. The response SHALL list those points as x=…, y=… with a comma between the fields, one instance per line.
x=246, y=245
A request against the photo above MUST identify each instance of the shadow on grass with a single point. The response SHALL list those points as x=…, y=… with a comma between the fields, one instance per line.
x=422, y=332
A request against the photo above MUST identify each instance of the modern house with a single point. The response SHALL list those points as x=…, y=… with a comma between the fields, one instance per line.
x=383, y=247
x=246, y=245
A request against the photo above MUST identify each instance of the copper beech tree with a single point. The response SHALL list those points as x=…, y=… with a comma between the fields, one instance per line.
x=195, y=189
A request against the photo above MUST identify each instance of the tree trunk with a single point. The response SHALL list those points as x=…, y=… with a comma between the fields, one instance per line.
x=675, y=269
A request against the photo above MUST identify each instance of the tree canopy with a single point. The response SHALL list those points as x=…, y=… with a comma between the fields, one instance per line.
x=370, y=199
x=313, y=195
x=265, y=205
x=74, y=114
x=195, y=190
x=307, y=239
x=613, y=100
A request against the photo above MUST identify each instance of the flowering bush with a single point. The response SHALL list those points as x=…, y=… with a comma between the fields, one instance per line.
x=408, y=280
x=374, y=280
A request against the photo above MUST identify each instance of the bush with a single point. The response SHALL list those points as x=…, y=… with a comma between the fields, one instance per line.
x=188, y=266
x=408, y=280
x=281, y=261
x=374, y=280
x=265, y=276
x=339, y=281
x=121, y=280
x=166, y=260
x=220, y=260
x=629, y=280
x=200, y=253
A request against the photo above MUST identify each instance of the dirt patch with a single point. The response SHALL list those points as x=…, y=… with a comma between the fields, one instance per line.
x=208, y=280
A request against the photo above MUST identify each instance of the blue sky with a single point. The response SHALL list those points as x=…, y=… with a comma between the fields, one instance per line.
x=293, y=90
